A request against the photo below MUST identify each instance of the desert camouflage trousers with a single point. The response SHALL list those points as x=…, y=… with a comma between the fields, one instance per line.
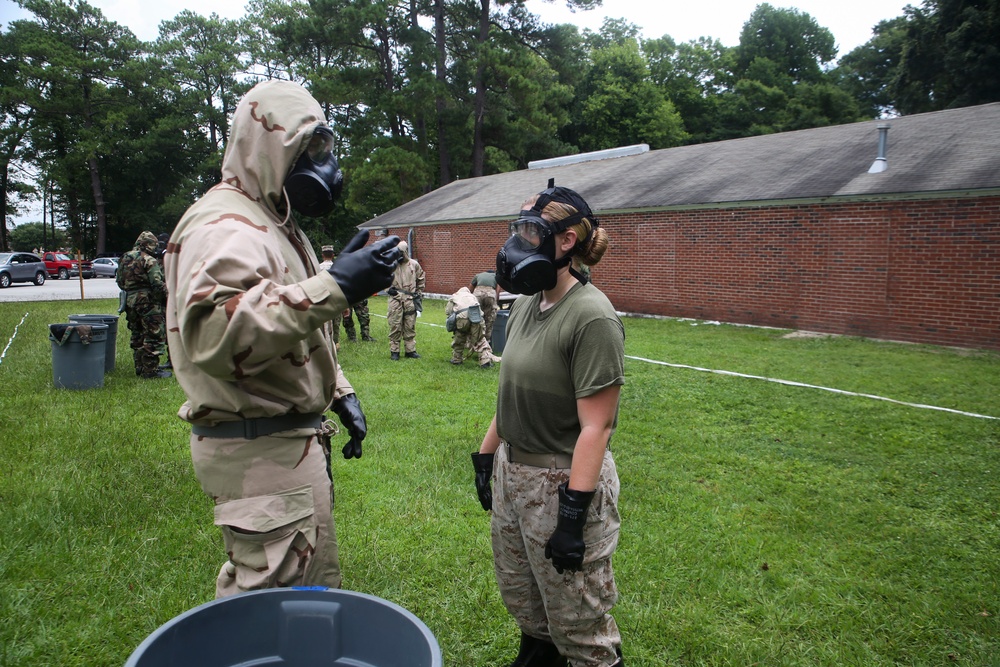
x=274, y=504
x=571, y=609
x=473, y=339
x=402, y=316
x=487, y=298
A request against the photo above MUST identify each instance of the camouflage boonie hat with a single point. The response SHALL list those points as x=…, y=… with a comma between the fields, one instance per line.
x=146, y=241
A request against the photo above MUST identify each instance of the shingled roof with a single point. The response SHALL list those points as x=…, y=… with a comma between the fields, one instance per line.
x=943, y=151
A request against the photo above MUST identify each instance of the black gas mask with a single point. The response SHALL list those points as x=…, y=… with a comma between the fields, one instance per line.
x=527, y=262
x=315, y=181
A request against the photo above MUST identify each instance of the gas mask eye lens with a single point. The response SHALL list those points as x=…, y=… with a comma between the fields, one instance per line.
x=320, y=146
x=529, y=231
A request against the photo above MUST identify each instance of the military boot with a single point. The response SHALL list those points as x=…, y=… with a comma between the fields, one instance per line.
x=537, y=653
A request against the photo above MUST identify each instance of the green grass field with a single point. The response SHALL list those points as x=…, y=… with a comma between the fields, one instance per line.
x=763, y=524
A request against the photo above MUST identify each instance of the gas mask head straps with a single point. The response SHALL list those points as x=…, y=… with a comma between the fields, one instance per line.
x=571, y=198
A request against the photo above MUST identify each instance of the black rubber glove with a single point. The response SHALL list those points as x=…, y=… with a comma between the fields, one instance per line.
x=348, y=408
x=361, y=271
x=483, y=463
x=566, y=546
x=392, y=291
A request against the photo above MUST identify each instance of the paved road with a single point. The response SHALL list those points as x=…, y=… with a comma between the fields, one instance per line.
x=61, y=290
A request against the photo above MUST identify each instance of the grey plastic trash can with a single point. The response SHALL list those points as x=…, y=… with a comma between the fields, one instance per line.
x=78, y=363
x=111, y=344
x=313, y=627
x=499, y=337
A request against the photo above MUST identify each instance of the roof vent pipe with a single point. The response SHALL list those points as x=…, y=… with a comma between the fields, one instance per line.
x=880, y=164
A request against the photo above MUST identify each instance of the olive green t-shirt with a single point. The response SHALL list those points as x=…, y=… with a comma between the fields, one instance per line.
x=484, y=279
x=552, y=358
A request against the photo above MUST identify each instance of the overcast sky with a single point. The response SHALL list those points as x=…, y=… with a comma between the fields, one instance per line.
x=850, y=21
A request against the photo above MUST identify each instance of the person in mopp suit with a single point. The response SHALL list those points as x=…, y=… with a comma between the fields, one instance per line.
x=140, y=276
x=248, y=321
x=463, y=317
x=405, y=297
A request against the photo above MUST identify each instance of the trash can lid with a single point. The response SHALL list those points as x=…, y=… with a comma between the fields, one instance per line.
x=299, y=626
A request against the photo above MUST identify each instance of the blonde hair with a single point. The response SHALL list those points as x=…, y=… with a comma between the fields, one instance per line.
x=586, y=252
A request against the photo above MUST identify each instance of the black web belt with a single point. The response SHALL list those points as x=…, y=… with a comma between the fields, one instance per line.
x=248, y=429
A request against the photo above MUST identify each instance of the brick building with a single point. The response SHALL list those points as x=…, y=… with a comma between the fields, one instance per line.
x=886, y=229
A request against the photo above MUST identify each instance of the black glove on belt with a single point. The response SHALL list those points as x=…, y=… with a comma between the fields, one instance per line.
x=483, y=463
x=566, y=546
x=348, y=408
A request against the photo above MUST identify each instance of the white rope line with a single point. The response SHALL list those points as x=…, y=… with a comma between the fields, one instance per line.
x=430, y=324
x=4, y=353
x=790, y=383
x=813, y=386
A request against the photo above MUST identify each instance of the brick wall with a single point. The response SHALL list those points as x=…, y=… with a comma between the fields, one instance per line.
x=925, y=271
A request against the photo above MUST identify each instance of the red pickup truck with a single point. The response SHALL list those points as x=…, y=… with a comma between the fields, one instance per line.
x=62, y=266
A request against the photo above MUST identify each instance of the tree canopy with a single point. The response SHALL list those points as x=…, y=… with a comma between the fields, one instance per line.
x=109, y=135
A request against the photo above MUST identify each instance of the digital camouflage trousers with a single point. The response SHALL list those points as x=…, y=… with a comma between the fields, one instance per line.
x=571, y=609
x=487, y=298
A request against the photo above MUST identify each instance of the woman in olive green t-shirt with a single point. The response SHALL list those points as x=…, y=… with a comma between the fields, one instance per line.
x=554, y=492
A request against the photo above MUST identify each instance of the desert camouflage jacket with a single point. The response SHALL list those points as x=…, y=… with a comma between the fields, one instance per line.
x=248, y=314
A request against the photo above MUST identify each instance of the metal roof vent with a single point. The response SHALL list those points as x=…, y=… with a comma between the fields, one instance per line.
x=880, y=164
x=587, y=157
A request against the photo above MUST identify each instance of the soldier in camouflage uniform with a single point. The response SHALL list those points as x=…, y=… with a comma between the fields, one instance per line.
x=406, y=291
x=554, y=493
x=161, y=247
x=465, y=320
x=248, y=320
x=364, y=321
x=140, y=276
x=488, y=293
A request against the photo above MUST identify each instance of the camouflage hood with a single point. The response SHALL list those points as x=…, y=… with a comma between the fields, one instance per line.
x=146, y=242
x=271, y=127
